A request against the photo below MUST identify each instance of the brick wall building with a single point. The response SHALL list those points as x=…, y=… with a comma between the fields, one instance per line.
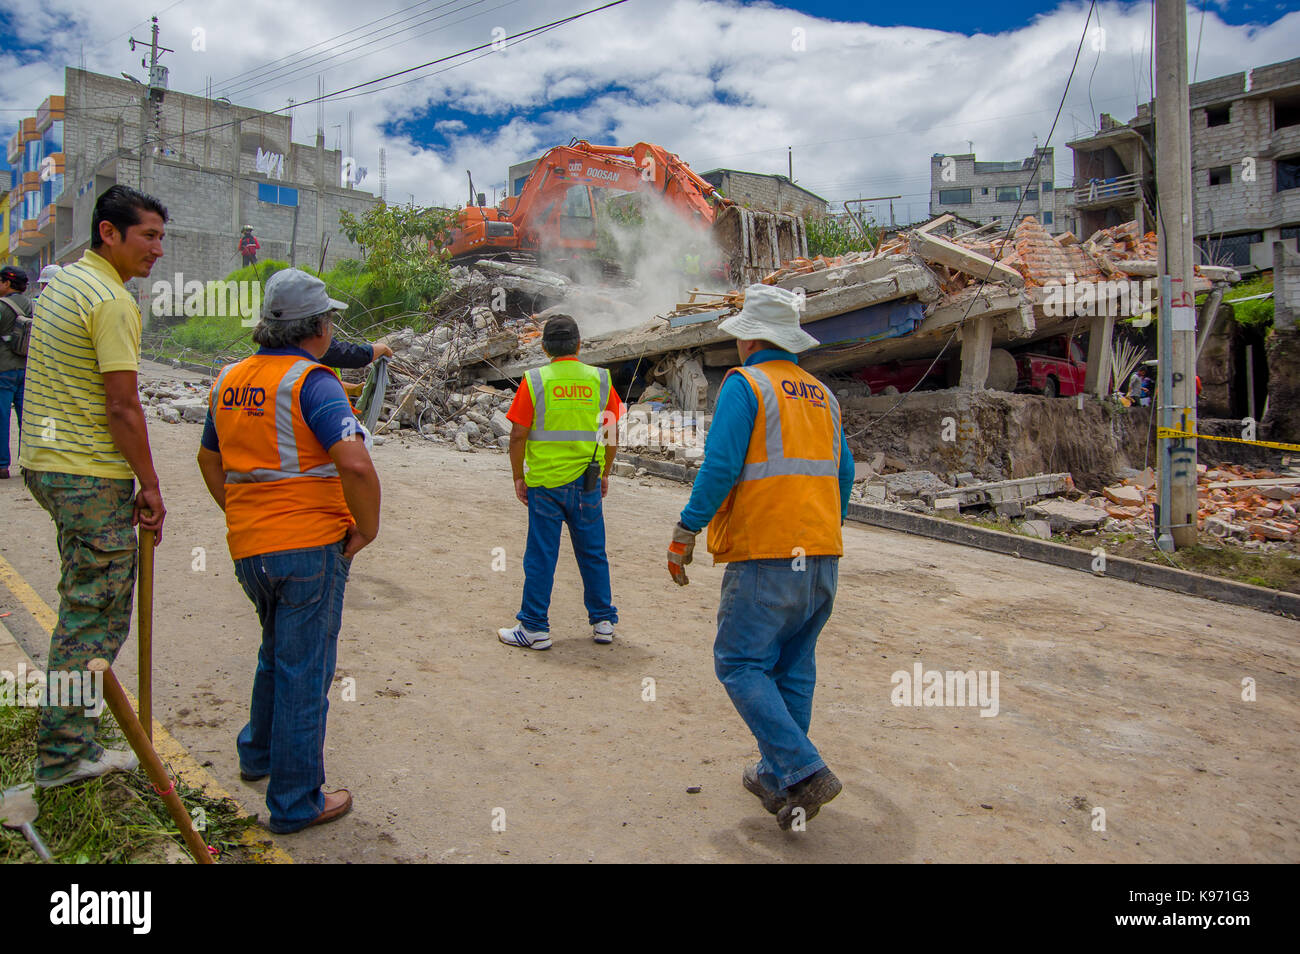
x=1245, y=167
x=771, y=193
x=216, y=166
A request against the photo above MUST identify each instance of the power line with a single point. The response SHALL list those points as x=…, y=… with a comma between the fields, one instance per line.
x=256, y=69
x=274, y=82
x=492, y=45
x=1010, y=230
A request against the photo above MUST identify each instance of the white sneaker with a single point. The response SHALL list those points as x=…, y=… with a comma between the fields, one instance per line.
x=603, y=632
x=113, y=760
x=522, y=637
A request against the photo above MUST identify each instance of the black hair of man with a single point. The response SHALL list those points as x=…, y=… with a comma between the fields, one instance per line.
x=121, y=206
x=560, y=336
x=289, y=334
x=16, y=278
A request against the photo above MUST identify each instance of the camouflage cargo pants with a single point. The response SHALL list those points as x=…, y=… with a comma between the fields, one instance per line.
x=97, y=548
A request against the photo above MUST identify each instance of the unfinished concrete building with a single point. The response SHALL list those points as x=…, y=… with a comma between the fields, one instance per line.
x=1245, y=167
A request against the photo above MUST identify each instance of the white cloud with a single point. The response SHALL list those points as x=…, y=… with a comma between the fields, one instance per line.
x=863, y=106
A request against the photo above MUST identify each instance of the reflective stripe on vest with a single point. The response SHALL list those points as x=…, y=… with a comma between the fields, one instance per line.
x=286, y=443
x=777, y=464
x=538, y=432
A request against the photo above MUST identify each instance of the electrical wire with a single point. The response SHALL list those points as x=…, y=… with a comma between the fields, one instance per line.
x=253, y=71
x=275, y=82
x=494, y=45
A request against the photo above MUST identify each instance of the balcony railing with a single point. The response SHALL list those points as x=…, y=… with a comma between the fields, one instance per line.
x=1099, y=192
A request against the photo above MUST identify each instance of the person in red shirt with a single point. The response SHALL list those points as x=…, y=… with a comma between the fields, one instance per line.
x=248, y=246
x=560, y=415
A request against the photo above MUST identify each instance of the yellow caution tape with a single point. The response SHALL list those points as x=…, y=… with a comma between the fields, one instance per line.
x=1170, y=432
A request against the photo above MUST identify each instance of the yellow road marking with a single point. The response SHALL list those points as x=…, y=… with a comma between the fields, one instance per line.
x=261, y=843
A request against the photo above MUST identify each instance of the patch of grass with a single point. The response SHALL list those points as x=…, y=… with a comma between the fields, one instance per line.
x=110, y=820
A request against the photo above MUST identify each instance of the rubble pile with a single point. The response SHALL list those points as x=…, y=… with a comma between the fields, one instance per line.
x=425, y=395
x=1234, y=503
x=176, y=401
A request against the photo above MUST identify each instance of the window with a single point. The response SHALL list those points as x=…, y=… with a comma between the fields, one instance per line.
x=984, y=191
x=277, y=195
x=1231, y=250
x=1047, y=187
x=1221, y=175
x=1031, y=195
x=1008, y=194
x=954, y=196
x=1286, y=112
x=1218, y=115
x=1047, y=218
x=1286, y=173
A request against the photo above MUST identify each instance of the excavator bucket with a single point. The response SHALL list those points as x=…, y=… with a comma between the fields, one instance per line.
x=755, y=244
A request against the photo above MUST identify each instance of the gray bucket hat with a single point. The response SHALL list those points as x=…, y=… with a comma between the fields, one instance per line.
x=292, y=294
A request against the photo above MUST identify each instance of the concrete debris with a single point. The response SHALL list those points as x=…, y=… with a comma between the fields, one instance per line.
x=1037, y=528
x=1065, y=516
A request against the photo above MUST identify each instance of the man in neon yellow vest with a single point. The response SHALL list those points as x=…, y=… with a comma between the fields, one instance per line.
x=560, y=414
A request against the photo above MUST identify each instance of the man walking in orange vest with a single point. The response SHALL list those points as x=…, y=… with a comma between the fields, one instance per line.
x=773, y=489
x=285, y=459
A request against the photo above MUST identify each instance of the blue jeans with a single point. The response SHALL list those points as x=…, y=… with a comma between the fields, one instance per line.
x=765, y=656
x=548, y=510
x=11, y=395
x=299, y=600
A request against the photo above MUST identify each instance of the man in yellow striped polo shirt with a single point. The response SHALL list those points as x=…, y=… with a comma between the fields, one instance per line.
x=83, y=442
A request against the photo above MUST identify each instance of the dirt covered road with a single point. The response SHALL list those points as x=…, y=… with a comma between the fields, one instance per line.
x=1109, y=696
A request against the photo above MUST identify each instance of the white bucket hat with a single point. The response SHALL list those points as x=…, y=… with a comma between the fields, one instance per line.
x=770, y=314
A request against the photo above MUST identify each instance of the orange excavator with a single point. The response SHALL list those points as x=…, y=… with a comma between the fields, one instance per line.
x=555, y=214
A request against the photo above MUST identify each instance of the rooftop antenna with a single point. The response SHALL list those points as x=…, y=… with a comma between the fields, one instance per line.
x=383, y=175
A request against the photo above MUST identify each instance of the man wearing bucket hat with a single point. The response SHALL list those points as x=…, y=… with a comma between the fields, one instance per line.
x=282, y=455
x=773, y=489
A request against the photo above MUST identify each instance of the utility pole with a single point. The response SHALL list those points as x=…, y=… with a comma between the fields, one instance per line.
x=151, y=105
x=1176, y=392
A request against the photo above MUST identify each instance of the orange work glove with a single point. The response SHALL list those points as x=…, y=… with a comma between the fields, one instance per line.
x=680, y=553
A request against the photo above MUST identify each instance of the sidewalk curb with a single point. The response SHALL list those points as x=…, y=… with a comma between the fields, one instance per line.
x=261, y=843
x=1058, y=554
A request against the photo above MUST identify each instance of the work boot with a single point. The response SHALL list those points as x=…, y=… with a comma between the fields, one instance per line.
x=810, y=795
x=772, y=801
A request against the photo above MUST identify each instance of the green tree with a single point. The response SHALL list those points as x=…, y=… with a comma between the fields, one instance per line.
x=831, y=236
x=395, y=240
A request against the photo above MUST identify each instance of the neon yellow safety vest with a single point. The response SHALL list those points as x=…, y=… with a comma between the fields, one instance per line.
x=568, y=400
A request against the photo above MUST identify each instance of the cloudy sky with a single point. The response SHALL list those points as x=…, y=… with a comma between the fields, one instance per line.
x=863, y=97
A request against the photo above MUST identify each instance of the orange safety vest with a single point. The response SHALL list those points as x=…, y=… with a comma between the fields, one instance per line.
x=283, y=491
x=786, y=502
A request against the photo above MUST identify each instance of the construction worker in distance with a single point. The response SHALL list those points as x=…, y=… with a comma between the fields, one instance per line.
x=559, y=416
x=248, y=246
x=283, y=456
x=773, y=489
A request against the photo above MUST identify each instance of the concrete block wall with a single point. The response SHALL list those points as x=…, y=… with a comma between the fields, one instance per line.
x=1239, y=205
x=770, y=193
